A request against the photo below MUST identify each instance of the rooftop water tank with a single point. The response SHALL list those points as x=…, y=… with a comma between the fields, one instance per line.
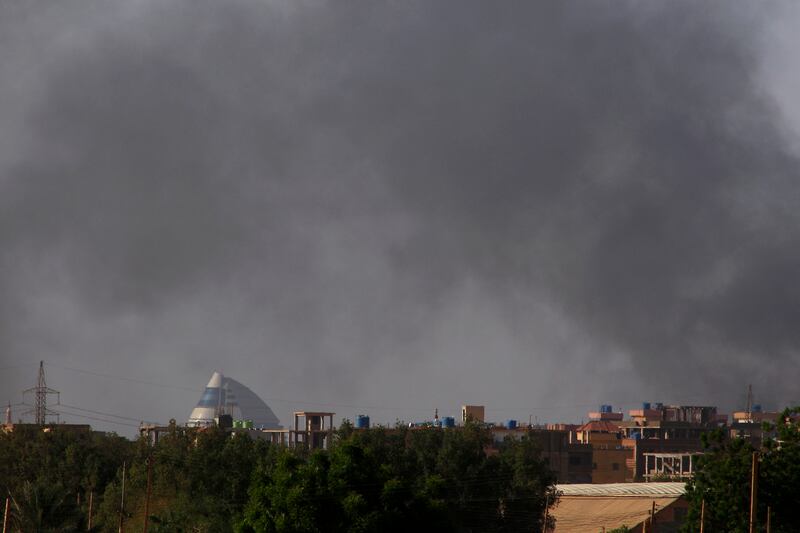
x=511, y=424
x=756, y=407
x=645, y=405
x=448, y=422
x=605, y=408
x=362, y=422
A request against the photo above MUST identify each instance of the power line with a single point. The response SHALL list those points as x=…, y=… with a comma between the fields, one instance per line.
x=290, y=401
x=102, y=413
x=100, y=419
x=124, y=378
x=61, y=410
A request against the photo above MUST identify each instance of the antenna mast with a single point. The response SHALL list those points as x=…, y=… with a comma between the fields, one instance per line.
x=750, y=403
x=40, y=392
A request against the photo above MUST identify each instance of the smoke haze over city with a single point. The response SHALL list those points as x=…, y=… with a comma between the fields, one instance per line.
x=400, y=206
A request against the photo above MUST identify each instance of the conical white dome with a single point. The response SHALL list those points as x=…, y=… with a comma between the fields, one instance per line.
x=228, y=396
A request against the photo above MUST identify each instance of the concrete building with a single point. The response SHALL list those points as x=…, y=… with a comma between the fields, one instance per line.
x=749, y=425
x=665, y=439
x=312, y=430
x=60, y=427
x=472, y=412
x=569, y=460
x=612, y=461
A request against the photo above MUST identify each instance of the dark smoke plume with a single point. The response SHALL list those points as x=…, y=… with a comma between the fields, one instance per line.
x=397, y=205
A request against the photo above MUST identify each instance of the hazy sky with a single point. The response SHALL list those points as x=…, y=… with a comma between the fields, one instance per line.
x=390, y=207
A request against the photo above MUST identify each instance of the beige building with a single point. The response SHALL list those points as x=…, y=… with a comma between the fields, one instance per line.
x=612, y=461
x=597, y=508
x=473, y=412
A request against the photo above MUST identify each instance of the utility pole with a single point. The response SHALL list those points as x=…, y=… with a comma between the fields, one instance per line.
x=5, y=514
x=149, y=486
x=702, y=515
x=91, y=502
x=769, y=519
x=546, y=508
x=753, y=492
x=122, y=502
x=40, y=393
x=653, y=518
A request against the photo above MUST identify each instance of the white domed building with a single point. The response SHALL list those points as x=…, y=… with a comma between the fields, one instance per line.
x=225, y=395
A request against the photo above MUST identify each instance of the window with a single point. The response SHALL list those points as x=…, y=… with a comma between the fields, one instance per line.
x=575, y=460
x=614, y=466
x=594, y=466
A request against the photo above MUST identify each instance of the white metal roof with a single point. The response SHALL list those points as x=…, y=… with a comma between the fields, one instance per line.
x=623, y=489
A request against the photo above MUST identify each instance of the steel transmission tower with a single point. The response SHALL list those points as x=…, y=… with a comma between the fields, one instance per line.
x=40, y=392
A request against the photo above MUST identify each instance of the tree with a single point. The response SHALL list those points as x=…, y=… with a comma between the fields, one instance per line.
x=399, y=480
x=723, y=476
x=41, y=507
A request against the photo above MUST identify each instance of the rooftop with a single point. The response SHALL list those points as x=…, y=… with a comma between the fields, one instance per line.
x=661, y=489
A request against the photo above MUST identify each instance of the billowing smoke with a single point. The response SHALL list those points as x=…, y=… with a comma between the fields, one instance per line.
x=398, y=205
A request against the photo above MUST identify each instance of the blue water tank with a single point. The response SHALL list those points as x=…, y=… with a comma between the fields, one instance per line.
x=659, y=405
x=605, y=408
x=362, y=422
x=645, y=405
x=511, y=424
x=448, y=422
x=756, y=407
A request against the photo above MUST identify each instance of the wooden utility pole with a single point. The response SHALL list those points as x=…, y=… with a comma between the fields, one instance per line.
x=653, y=518
x=5, y=514
x=149, y=486
x=753, y=492
x=91, y=503
x=546, y=509
x=769, y=519
x=702, y=515
x=122, y=503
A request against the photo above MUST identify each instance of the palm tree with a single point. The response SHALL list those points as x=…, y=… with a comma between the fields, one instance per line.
x=42, y=507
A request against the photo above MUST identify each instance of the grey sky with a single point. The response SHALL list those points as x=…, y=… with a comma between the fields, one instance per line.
x=391, y=207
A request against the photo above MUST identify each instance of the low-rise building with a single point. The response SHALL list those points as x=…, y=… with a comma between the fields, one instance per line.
x=570, y=461
x=611, y=461
x=655, y=506
x=665, y=439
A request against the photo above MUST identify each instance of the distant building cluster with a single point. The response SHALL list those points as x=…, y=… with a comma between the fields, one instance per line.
x=656, y=442
x=611, y=471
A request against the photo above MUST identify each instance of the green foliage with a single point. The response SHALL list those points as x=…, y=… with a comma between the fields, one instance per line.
x=723, y=476
x=49, y=475
x=399, y=480
x=43, y=507
x=381, y=479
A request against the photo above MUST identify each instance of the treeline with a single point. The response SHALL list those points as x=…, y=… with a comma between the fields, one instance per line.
x=381, y=479
x=719, y=493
